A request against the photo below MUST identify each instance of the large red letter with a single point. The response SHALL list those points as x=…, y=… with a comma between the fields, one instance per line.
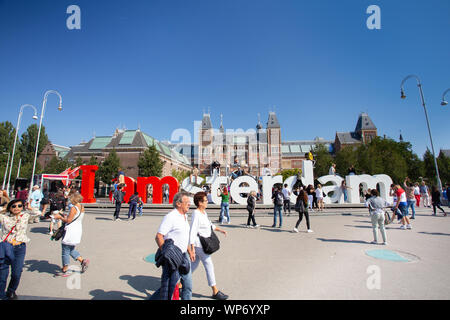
x=157, y=184
x=88, y=182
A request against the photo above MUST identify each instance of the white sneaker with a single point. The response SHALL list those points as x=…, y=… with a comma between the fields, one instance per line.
x=295, y=230
x=257, y=226
x=310, y=231
x=403, y=227
x=385, y=243
x=409, y=227
x=118, y=219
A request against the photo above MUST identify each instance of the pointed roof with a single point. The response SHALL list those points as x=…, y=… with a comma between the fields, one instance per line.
x=364, y=123
x=206, y=121
x=273, y=121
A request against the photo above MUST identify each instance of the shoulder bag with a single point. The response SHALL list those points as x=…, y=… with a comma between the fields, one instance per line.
x=210, y=244
x=61, y=232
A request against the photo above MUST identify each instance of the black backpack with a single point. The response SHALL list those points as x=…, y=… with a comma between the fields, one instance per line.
x=279, y=198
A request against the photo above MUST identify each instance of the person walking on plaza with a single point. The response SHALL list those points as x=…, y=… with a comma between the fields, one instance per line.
x=118, y=198
x=417, y=194
x=172, y=239
x=72, y=237
x=410, y=197
x=277, y=198
x=448, y=194
x=225, y=204
x=425, y=195
x=14, y=226
x=35, y=204
x=286, y=200
x=319, y=196
x=251, y=205
x=202, y=226
x=301, y=206
x=133, y=205
x=376, y=204
x=436, y=200
x=402, y=205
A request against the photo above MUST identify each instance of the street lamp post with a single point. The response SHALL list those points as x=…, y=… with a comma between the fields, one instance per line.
x=6, y=170
x=44, y=103
x=403, y=96
x=444, y=102
x=15, y=139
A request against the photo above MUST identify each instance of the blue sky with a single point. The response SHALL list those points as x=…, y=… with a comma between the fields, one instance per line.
x=161, y=63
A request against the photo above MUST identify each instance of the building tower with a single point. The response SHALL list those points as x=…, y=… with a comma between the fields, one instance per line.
x=274, y=143
x=205, y=144
x=365, y=129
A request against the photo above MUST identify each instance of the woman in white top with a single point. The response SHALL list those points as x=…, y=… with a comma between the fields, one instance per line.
x=74, y=230
x=319, y=196
x=201, y=225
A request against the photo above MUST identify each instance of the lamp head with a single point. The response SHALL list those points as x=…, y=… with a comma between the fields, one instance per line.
x=60, y=107
x=403, y=96
x=35, y=117
x=444, y=103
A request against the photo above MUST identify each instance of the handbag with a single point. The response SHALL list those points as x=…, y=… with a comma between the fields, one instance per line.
x=61, y=232
x=210, y=244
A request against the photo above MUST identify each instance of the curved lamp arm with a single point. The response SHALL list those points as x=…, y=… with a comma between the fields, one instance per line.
x=15, y=139
x=444, y=102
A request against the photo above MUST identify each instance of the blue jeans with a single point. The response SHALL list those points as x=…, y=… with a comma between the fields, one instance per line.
x=169, y=279
x=140, y=210
x=277, y=210
x=132, y=210
x=411, y=204
x=67, y=252
x=224, y=207
x=16, y=271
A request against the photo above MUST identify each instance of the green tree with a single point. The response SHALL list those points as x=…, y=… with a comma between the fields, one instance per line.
x=323, y=160
x=180, y=175
x=150, y=164
x=28, y=143
x=109, y=168
x=289, y=173
x=7, y=134
x=444, y=168
x=56, y=166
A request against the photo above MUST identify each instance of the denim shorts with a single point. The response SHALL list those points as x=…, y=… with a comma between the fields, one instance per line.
x=403, y=210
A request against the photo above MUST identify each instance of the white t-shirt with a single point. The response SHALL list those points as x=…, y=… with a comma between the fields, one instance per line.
x=175, y=226
x=332, y=171
x=286, y=194
x=417, y=191
x=319, y=194
x=200, y=224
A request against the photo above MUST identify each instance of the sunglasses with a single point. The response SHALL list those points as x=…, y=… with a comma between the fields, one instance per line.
x=17, y=206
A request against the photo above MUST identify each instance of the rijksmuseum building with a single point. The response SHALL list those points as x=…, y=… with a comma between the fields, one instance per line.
x=253, y=150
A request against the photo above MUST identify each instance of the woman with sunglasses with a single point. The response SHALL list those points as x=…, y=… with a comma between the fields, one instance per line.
x=201, y=225
x=14, y=231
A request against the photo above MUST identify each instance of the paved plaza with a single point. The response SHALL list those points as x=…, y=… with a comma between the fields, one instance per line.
x=252, y=264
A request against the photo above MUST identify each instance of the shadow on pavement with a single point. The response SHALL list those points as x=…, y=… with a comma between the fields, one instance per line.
x=343, y=241
x=142, y=283
x=436, y=233
x=42, y=266
x=363, y=227
x=106, y=219
x=100, y=294
x=43, y=230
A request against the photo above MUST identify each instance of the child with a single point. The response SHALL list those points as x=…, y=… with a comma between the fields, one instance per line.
x=140, y=206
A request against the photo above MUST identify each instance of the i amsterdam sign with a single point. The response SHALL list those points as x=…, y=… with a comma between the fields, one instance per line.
x=236, y=189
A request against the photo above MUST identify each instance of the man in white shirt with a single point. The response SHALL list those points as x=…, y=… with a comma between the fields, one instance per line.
x=175, y=226
x=266, y=171
x=286, y=199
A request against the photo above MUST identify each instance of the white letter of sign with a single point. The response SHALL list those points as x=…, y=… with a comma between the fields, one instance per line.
x=74, y=21
x=374, y=21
